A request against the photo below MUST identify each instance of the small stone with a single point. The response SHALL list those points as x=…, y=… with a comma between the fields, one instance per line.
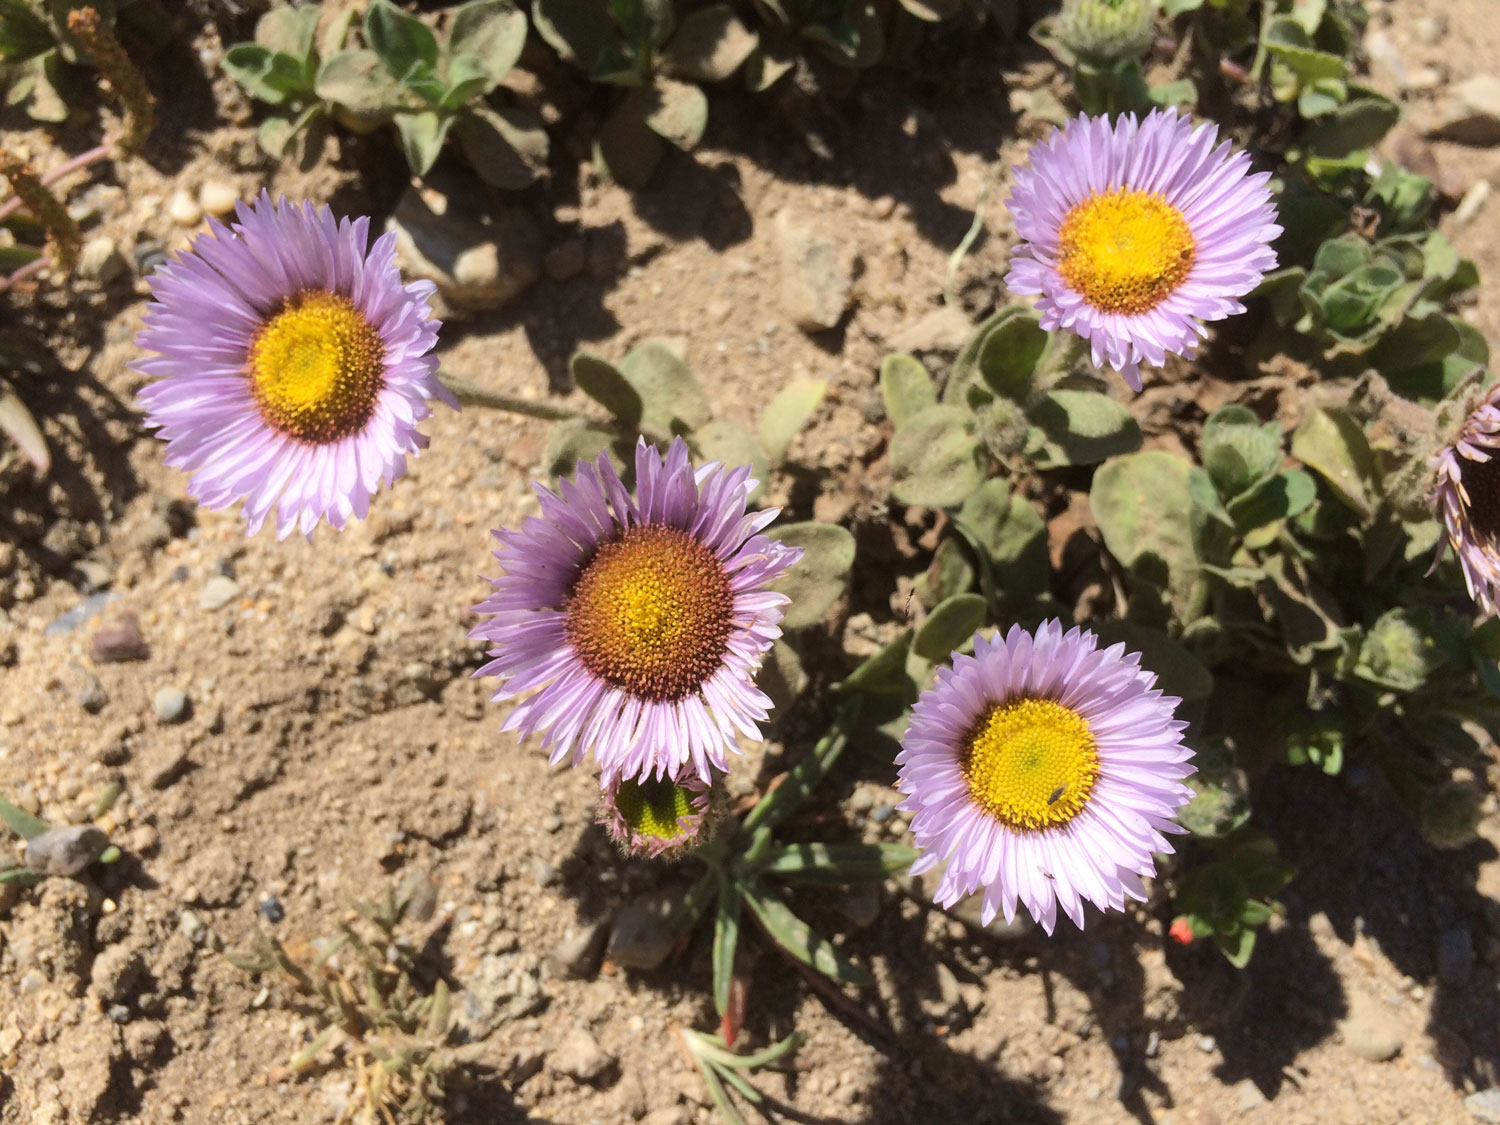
x=542, y=873
x=100, y=260
x=580, y=1057
x=566, y=260
x=579, y=955
x=669, y=1115
x=1207, y=1044
x=881, y=813
x=218, y=592
x=1484, y=1106
x=1473, y=114
x=943, y=331
x=271, y=910
x=142, y=840
x=192, y=927
x=817, y=272
x=217, y=197
x=1370, y=1030
x=475, y=265
x=1455, y=955
x=118, y=639
x=65, y=851
x=639, y=937
x=115, y=972
x=551, y=823
x=184, y=209
x=89, y=691
x=164, y=763
x=170, y=704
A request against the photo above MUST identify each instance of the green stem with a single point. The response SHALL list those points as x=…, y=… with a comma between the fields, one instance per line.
x=471, y=395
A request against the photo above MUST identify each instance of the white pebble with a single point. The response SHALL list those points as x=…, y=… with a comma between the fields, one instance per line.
x=184, y=210
x=217, y=197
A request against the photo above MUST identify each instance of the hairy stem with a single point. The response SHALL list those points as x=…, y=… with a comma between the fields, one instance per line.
x=471, y=395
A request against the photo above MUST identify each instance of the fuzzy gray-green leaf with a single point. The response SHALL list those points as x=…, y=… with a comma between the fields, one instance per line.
x=787, y=413
x=1082, y=428
x=936, y=458
x=949, y=626
x=1142, y=505
x=906, y=387
x=709, y=45
x=1333, y=445
x=819, y=580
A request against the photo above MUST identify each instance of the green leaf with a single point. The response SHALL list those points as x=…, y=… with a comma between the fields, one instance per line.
x=491, y=33
x=676, y=111
x=422, y=136
x=1333, y=445
x=819, y=580
x=797, y=938
x=787, y=797
x=574, y=441
x=1281, y=497
x=358, y=81
x=506, y=146
x=731, y=443
x=674, y=401
x=710, y=45
x=952, y=624
x=271, y=77
x=936, y=458
x=1013, y=537
x=1236, y=947
x=726, y=939
x=949, y=573
x=933, y=11
x=906, y=387
x=625, y=149
x=787, y=413
x=404, y=43
x=1142, y=505
x=1081, y=428
x=289, y=30
x=837, y=864
x=22, y=35
x=1238, y=451
x=580, y=32
x=1353, y=127
x=21, y=822
x=883, y=673
x=1010, y=352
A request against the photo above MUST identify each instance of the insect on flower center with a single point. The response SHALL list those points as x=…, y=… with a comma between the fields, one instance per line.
x=1030, y=763
x=317, y=367
x=654, y=807
x=1481, y=481
x=652, y=612
x=1124, y=250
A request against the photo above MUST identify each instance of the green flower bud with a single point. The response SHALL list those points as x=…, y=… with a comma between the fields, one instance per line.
x=1450, y=814
x=1106, y=29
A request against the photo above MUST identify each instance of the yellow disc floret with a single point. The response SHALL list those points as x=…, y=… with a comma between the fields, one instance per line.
x=651, y=613
x=317, y=367
x=654, y=807
x=1030, y=763
x=1124, y=250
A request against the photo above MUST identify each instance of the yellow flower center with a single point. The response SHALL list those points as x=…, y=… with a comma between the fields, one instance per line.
x=1125, y=251
x=654, y=808
x=651, y=613
x=317, y=367
x=1030, y=763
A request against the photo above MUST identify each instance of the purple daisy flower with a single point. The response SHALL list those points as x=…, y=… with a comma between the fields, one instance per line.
x=1132, y=232
x=1468, y=499
x=293, y=365
x=1045, y=771
x=639, y=624
x=657, y=817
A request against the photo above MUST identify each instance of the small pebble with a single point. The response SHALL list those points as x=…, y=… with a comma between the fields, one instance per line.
x=184, y=209
x=65, y=851
x=217, y=197
x=218, y=592
x=881, y=813
x=118, y=639
x=271, y=910
x=170, y=705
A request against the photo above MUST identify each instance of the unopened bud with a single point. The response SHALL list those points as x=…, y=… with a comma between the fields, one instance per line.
x=1106, y=29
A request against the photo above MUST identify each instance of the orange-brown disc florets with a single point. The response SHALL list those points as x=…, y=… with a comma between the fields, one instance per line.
x=651, y=613
x=317, y=368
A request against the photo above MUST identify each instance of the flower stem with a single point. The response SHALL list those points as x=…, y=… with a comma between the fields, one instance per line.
x=26, y=271
x=73, y=164
x=471, y=395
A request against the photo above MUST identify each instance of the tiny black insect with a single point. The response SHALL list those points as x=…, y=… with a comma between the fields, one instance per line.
x=1057, y=794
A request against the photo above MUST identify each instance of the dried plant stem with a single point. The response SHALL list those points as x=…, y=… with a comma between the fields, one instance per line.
x=111, y=60
x=73, y=164
x=62, y=232
x=30, y=269
x=471, y=395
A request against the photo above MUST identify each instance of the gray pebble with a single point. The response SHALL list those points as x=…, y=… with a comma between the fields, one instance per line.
x=541, y=872
x=579, y=955
x=218, y=592
x=89, y=607
x=639, y=937
x=882, y=813
x=1484, y=1106
x=170, y=705
x=65, y=851
x=90, y=692
x=580, y=1057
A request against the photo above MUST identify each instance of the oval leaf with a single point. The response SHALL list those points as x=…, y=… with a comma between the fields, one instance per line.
x=948, y=627
x=818, y=581
x=936, y=458
x=906, y=387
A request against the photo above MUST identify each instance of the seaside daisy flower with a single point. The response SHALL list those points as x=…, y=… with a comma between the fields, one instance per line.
x=292, y=365
x=1468, y=499
x=656, y=816
x=1134, y=231
x=638, y=624
x=1045, y=771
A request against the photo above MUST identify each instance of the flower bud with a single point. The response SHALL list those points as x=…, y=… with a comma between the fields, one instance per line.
x=1106, y=29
